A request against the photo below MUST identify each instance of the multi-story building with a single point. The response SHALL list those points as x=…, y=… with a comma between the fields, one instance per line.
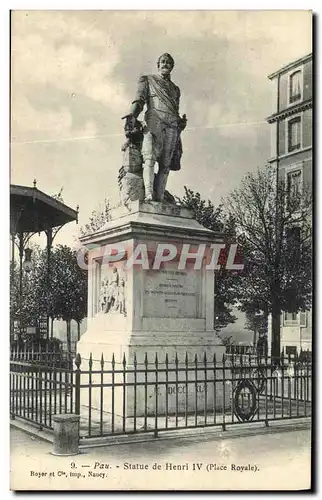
x=291, y=156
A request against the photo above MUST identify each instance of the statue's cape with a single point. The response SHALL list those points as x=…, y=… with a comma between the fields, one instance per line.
x=161, y=88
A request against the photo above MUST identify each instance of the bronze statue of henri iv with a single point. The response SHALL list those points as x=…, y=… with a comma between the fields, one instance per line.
x=157, y=139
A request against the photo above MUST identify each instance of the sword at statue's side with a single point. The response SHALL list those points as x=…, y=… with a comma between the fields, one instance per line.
x=182, y=123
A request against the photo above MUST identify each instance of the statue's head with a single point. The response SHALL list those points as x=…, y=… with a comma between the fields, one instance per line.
x=165, y=64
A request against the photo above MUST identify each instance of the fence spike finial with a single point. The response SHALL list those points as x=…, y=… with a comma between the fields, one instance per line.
x=135, y=360
x=90, y=361
x=78, y=360
x=124, y=360
x=113, y=361
x=146, y=359
x=204, y=358
x=176, y=360
x=186, y=359
x=156, y=359
x=102, y=361
x=166, y=359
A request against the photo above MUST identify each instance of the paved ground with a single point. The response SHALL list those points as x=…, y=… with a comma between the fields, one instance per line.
x=279, y=459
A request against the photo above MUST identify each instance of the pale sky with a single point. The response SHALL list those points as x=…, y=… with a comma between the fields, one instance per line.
x=74, y=76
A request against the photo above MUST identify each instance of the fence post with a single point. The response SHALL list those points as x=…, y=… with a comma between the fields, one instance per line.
x=78, y=361
x=224, y=391
x=156, y=364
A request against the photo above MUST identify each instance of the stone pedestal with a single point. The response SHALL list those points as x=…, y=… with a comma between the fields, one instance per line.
x=168, y=310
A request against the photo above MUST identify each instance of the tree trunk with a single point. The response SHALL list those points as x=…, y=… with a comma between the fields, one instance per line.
x=276, y=332
x=68, y=335
x=254, y=337
x=51, y=328
x=78, y=330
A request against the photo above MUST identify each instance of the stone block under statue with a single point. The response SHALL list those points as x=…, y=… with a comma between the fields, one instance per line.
x=138, y=311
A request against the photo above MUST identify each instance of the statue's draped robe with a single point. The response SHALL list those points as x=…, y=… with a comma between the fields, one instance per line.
x=162, y=142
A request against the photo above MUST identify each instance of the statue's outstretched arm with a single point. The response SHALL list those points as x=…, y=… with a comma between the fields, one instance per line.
x=136, y=108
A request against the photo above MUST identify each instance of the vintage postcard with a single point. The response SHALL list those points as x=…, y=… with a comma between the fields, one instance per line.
x=161, y=250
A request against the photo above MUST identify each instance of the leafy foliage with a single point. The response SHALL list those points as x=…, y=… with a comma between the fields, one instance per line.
x=204, y=211
x=59, y=196
x=62, y=296
x=275, y=229
x=98, y=219
x=228, y=341
x=226, y=281
x=68, y=284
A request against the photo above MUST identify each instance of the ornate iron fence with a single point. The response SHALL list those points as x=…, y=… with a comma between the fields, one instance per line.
x=145, y=395
x=41, y=385
x=73, y=347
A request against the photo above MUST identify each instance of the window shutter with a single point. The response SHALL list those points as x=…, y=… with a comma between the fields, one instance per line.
x=295, y=90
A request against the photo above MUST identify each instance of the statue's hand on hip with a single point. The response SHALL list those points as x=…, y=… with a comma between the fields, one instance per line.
x=183, y=122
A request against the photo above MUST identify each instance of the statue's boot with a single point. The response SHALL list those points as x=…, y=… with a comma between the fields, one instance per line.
x=161, y=183
x=148, y=179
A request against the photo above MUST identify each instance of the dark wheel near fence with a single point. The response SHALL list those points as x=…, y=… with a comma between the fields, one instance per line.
x=245, y=400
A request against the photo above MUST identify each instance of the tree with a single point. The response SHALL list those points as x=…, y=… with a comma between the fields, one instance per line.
x=275, y=227
x=98, y=218
x=256, y=322
x=226, y=281
x=63, y=297
x=69, y=285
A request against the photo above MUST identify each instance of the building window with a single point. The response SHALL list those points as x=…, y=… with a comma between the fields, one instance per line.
x=291, y=317
x=295, y=90
x=303, y=319
x=294, y=134
x=290, y=350
x=293, y=188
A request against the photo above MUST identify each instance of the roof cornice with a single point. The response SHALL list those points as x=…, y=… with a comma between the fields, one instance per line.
x=292, y=110
x=291, y=65
x=35, y=193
